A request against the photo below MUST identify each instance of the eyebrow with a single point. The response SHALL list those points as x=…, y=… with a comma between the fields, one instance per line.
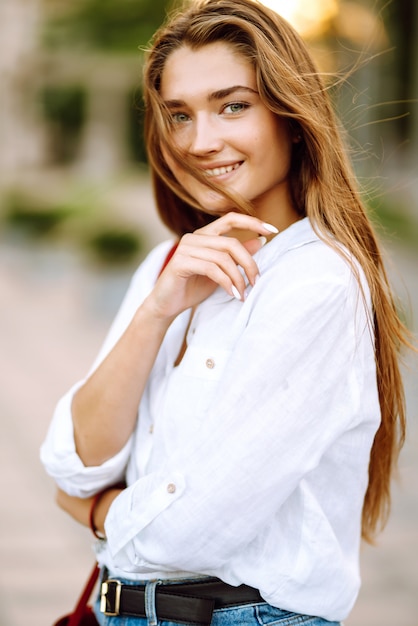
x=220, y=94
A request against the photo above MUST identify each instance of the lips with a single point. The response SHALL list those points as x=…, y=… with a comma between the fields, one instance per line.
x=223, y=169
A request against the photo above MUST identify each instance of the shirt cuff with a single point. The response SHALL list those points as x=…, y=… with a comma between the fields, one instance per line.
x=61, y=461
x=135, y=508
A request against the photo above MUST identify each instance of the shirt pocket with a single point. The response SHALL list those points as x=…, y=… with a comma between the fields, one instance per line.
x=191, y=389
x=205, y=363
x=199, y=374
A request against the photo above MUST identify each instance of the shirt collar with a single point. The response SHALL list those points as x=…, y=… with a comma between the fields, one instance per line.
x=296, y=235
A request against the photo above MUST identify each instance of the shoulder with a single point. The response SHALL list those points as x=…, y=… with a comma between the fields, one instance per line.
x=301, y=254
x=153, y=263
x=305, y=270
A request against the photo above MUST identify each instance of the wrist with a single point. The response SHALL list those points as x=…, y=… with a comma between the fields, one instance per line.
x=99, y=508
x=151, y=312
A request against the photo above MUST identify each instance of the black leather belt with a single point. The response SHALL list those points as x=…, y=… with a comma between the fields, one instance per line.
x=185, y=603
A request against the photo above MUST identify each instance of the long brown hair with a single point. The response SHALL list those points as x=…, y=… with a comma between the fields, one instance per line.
x=322, y=183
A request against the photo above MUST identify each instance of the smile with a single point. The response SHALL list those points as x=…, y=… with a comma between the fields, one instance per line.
x=226, y=169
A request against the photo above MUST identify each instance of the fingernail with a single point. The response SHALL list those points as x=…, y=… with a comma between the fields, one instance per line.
x=262, y=240
x=235, y=293
x=270, y=228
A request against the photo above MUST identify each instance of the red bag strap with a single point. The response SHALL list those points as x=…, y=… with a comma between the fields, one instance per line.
x=75, y=618
x=168, y=257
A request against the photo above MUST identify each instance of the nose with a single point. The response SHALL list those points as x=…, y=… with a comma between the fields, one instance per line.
x=205, y=136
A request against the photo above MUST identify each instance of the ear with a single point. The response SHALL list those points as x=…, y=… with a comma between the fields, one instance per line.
x=295, y=132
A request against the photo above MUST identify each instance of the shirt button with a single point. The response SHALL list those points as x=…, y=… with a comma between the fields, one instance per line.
x=171, y=488
x=151, y=429
x=210, y=364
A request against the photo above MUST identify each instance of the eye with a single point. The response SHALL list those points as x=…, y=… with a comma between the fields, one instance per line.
x=180, y=118
x=235, y=107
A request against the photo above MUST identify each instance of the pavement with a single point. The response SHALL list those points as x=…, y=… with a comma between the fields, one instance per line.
x=54, y=313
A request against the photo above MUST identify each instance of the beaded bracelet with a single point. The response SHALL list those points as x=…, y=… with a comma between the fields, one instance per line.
x=93, y=507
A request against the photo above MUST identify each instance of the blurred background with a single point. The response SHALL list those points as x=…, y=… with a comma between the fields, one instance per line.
x=77, y=216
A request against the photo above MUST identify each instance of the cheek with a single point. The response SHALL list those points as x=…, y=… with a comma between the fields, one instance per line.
x=180, y=138
x=176, y=169
x=280, y=146
x=277, y=137
x=183, y=178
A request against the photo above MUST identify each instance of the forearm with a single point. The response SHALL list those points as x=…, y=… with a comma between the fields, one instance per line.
x=80, y=508
x=105, y=408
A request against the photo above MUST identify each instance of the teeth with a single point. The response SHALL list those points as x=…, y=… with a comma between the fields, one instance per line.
x=218, y=171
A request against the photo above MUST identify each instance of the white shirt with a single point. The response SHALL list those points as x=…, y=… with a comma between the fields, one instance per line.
x=250, y=458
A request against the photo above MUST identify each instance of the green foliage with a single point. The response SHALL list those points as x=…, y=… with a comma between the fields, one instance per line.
x=33, y=218
x=65, y=105
x=136, y=127
x=393, y=222
x=37, y=217
x=115, y=245
x=65, y=110
x=111, y=25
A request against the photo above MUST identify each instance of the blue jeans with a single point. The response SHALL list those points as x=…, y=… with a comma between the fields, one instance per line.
x=259, y=614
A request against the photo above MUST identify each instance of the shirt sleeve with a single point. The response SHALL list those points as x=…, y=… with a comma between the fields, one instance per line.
x=58, y=451
x=297, y=380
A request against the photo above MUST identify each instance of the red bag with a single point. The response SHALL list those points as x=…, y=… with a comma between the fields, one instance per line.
x=83, y=614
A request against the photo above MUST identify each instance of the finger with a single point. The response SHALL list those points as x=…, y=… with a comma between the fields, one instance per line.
x=254, y=245
x=233, y=220
x=198, y=268
x=241, y=252
x=217, y=264
x=227, y=252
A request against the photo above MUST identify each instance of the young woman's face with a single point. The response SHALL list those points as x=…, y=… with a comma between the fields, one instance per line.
x=220, y=122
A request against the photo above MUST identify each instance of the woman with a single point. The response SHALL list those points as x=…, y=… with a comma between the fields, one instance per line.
x=249, y=393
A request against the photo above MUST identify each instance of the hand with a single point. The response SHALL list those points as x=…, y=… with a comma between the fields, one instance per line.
x=205, y=259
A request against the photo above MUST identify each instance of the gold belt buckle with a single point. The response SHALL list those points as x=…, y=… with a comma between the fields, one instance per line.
x=104, y=590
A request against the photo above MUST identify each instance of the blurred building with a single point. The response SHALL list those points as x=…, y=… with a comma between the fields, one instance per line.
x=21, y=135
x=74, y=107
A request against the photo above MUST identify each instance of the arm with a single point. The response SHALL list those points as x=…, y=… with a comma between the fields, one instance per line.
x=80, y=508
x=104, y=409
